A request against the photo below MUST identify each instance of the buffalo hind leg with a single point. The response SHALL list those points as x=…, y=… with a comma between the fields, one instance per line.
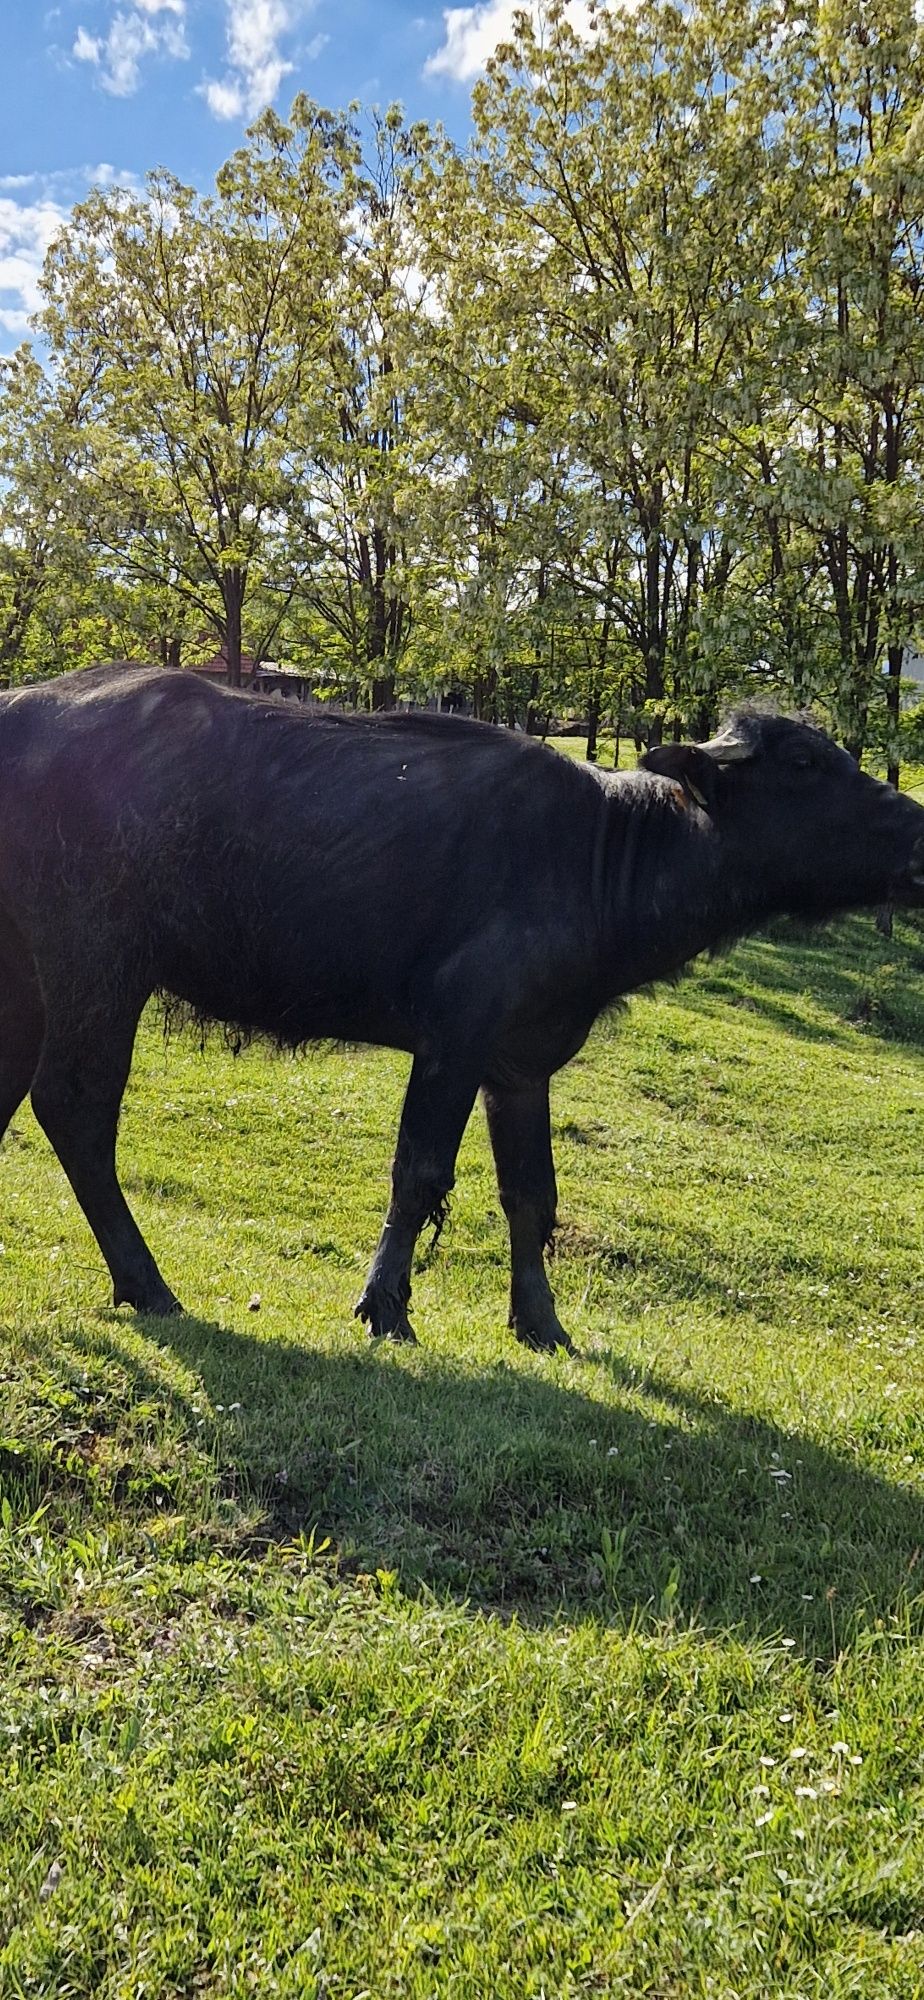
x=437, y=1107
x=521, y=1140
x=76, y=1097
x=22, y=1025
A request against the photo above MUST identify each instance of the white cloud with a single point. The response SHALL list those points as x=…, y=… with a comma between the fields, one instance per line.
x=87, y=48
x=225, y=100
x=26, y=229
x=27, y=226
x=132, y=35
x=72, y=180
x=256, y=65
x=472, y=34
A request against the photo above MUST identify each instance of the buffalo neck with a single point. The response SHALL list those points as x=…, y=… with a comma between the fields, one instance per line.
x=667, y=889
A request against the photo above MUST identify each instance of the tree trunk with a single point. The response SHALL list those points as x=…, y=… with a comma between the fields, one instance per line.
x=484, y=695
x=382, y=693
x=593, y=723
x=233, y=594
x=894, y=709
x=654, y=652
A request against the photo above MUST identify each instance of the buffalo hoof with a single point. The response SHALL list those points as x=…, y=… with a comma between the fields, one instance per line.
x=154, y=1305
x=403, y=1332
x=384, y=1317
x=545, y=1338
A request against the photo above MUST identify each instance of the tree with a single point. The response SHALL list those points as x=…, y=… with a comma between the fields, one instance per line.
x=616, y=187
x=42, y=442
x=210, y=320
x=360, y=478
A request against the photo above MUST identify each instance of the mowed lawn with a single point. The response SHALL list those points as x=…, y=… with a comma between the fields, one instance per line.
x=341, y=1670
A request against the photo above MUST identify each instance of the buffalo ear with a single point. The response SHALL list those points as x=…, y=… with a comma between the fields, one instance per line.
x=688, y=766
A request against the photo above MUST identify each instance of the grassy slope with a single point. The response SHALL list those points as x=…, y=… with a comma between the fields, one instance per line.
x=339, y=1670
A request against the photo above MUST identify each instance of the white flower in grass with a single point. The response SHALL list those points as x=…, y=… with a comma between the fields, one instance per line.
x=763, y=1819
x=806, y=1792
x=840, y=1749
x=766, y=1763
x=798, y=1751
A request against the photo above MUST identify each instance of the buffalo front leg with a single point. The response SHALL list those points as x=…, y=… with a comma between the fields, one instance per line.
x=22, y=1026
x=76, y=1097
x=437, y=1107
x=521, y=1140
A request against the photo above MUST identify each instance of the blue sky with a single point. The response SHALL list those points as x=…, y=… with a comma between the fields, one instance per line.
x=106, y=89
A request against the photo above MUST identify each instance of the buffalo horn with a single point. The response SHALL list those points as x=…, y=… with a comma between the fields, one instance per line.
x=727, y=749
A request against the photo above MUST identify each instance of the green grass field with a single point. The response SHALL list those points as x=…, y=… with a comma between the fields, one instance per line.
x=342, y=1671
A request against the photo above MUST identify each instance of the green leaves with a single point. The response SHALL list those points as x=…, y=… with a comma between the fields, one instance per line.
x=619, y=410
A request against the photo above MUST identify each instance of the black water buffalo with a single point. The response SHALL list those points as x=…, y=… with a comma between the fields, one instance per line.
x=423, y=882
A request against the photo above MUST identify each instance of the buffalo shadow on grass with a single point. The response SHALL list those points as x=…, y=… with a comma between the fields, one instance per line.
x=517, y=1489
